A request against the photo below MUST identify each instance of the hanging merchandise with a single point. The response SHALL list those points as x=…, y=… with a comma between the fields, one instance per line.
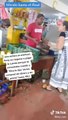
x=20, y=12
x=19, y=21
x=3, y=13
x=32, y=15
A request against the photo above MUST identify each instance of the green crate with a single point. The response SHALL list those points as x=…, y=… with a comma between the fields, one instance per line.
x=35, y=52
x=12, y=48
x=19, y=48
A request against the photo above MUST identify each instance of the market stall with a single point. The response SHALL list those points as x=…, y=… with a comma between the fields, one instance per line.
x=18, y=23
x=20, y=18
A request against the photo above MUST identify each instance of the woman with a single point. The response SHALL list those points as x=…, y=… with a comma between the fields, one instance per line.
x=59, y=75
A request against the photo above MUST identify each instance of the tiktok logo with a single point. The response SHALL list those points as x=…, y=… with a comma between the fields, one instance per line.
x=58, y=114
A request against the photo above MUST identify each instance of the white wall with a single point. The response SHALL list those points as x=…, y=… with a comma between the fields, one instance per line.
x=56, y=4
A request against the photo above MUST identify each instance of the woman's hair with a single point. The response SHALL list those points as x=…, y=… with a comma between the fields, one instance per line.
x=65, y=23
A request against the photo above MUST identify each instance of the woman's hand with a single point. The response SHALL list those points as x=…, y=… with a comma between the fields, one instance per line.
x=61, y=28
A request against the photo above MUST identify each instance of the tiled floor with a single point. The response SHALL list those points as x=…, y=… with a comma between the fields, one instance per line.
x=33, y=103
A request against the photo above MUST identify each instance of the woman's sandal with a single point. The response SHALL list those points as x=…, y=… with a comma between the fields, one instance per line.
x=47, y=87
x=60, y=90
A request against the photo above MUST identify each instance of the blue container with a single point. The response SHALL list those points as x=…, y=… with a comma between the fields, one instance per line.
x=3, y=88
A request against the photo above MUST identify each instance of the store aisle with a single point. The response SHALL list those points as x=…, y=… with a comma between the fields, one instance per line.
x=33, y=103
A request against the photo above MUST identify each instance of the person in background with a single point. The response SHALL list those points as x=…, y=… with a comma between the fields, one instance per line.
x=43, y=44
x=59, y=75
x=4, y=24
x=44, y=33
x=34, y=31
